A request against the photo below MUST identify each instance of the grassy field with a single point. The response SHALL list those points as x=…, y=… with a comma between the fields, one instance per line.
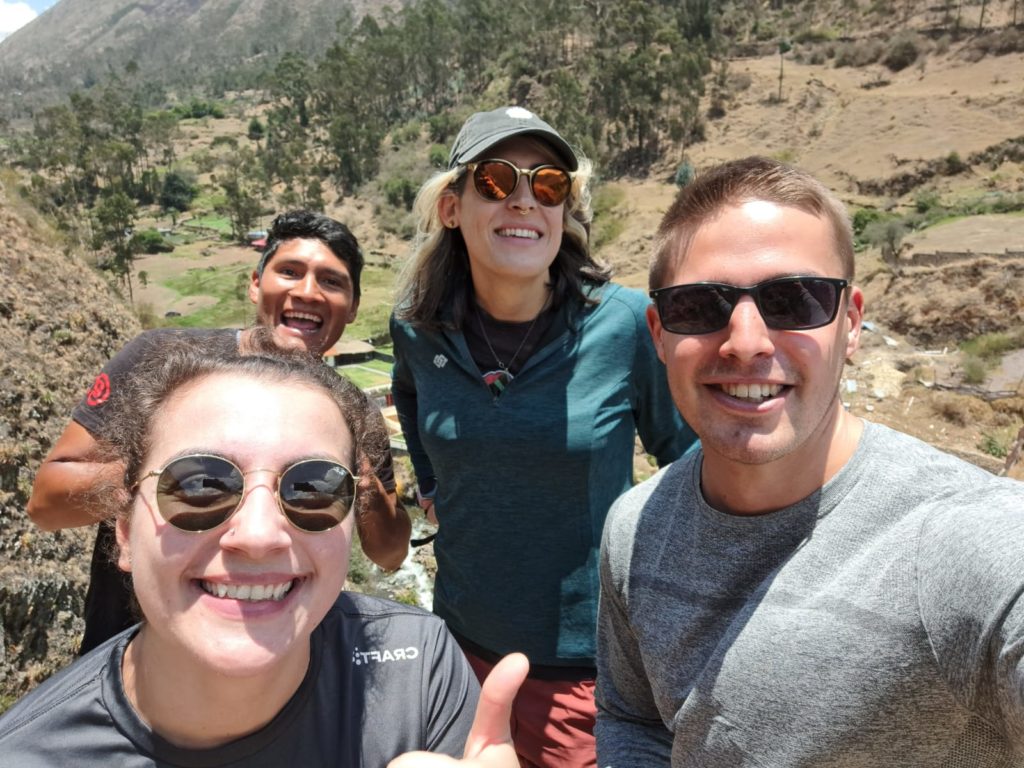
x=225, y=288
x=373, y=373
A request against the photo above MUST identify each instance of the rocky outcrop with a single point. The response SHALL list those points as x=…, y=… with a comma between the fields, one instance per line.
x=59, y=322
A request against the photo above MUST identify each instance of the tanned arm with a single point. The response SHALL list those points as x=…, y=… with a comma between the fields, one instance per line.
x=383, y=524
x=62, y=492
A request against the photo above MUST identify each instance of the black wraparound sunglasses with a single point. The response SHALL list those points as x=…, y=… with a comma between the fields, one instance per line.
x=200, y=492
x=494, y=180
x=785, y=304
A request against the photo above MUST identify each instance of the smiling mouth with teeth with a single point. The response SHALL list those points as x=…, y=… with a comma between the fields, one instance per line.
x=529, y=234
x=754, y=393
x=305, y=321
x=248, y=592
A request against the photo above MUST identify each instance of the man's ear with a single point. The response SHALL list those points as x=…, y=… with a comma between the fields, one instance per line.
x=854, y=319
x=448, y=209
x=353, y=311
x=254, y=287
x=654, y=326
x=124, y=548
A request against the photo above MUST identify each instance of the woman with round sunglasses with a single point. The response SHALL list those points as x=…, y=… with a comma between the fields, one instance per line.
x=235, y=522
x=522, y=376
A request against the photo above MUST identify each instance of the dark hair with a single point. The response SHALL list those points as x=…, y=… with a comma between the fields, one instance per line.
x=739, y=181
x=309, y=225
x=175, y=362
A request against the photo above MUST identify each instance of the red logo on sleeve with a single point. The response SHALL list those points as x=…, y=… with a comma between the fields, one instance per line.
x=100, y=391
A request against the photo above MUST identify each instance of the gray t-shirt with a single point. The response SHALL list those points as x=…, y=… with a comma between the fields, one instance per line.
x=383, y=679
x=878, y=622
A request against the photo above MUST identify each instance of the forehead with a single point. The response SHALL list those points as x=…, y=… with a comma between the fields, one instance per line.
x=756, y=240
x=308, y=250
x=251, y=420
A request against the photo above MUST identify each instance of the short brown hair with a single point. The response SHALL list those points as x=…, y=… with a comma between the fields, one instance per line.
x=738, y=181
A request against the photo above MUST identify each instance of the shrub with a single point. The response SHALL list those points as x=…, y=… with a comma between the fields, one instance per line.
x=991, y=445
x=684, y=174
x=812, y=35
x=178, y=191
x=926, y=200
x=406, y=134
x=859, y=54
x=960, y=409
x=400, y=192
x=952, y=165
x=903, y=51
x=974, y=369
x=150, y=241
x=887, y=236
x=437, y=155
x=442, y=127
x=256, y=130
x=862, y=217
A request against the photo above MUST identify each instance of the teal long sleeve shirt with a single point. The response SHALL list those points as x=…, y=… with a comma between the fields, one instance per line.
x=525, y=479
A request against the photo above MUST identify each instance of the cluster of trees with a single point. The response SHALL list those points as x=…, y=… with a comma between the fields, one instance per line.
x=95, y=159
x=618, y=77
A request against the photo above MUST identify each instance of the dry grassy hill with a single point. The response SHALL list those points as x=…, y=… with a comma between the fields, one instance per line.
x=59, y=322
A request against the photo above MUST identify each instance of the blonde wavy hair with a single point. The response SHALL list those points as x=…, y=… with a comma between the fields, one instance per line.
x=435, y=288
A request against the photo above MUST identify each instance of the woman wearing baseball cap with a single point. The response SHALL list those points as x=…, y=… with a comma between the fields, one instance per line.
x=522, y=376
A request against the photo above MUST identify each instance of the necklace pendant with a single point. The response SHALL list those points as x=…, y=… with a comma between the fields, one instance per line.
x=498, y=381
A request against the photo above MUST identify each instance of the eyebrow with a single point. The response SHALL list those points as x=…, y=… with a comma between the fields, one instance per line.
x=200, y=451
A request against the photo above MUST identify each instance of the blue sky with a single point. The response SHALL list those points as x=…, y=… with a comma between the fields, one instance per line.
x=15, y=14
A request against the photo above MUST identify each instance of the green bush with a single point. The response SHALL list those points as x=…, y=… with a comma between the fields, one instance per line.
x=442, y=127
x=256, y=130
x=926, y=200
x=406, y=134
x=990, y=444
x=400, y=192
x=684, y=174
x=438, y=155
x=862, y=217
x=150, y=241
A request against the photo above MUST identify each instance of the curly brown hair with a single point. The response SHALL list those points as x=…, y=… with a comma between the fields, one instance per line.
x=176, y=361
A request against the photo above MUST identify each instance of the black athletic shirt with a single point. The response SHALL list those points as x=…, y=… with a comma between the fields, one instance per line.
x=383, y=679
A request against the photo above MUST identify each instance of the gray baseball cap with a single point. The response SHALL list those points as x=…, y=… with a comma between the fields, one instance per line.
x=485, y=129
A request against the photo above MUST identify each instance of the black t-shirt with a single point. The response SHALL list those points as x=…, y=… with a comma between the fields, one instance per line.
x=383, y=679
x=109, y=603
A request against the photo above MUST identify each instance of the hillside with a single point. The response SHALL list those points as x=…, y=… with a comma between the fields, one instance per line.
x=59, y=322
x=173, y=43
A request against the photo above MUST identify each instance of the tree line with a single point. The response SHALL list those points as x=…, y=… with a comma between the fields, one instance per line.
x=619, y=77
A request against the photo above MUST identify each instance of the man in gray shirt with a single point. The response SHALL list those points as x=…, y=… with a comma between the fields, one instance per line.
x=807, y=589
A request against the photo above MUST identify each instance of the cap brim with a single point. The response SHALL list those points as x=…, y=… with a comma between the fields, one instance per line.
x=558, y=145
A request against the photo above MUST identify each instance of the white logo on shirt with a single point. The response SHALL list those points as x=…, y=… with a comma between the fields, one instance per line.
x=440, y=361
x=396, y=654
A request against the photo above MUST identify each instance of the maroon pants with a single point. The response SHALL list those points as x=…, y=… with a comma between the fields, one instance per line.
x=552, y=720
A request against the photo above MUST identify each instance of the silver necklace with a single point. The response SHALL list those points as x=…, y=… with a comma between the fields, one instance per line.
x=499, y=380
